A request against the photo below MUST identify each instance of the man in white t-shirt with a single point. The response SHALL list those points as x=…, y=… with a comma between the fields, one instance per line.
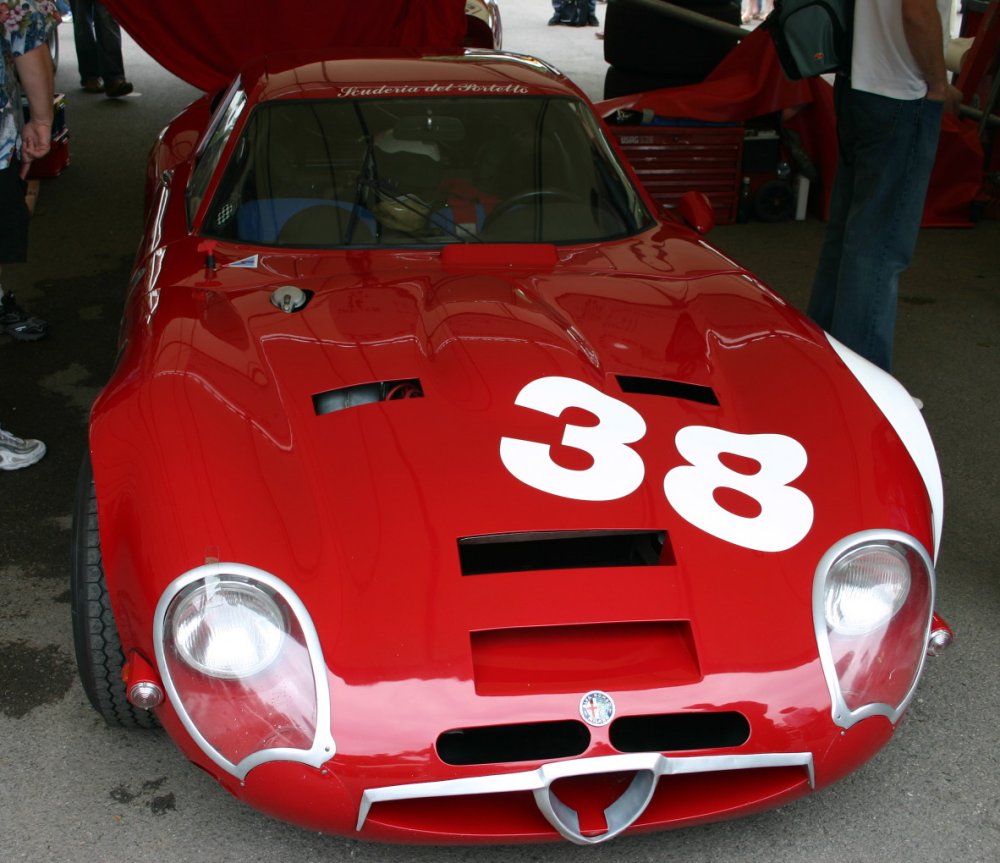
x=888, y=121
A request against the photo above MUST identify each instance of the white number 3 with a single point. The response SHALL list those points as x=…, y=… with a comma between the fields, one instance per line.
x=617, y=469
x=785, y=514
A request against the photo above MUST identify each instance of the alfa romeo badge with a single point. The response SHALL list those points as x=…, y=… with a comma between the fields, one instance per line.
x=597, y=708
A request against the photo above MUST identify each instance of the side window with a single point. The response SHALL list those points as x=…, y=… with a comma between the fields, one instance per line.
x=225, y=119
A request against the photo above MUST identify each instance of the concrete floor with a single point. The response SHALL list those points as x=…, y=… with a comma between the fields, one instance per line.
x=71, y=788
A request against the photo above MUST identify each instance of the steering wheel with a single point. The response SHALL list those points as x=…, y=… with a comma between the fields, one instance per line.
x=532, y=197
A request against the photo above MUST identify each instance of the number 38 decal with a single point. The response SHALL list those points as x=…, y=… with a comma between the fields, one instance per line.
x=785, y=516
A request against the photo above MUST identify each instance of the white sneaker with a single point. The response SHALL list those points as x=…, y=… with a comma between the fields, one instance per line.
x=16, y=453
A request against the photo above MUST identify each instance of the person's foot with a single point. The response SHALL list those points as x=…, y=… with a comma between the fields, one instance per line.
x=592, y=21
x=16, y=452
x=92, y=85
x=117, y=88
x=18, y=324
x=555, y=19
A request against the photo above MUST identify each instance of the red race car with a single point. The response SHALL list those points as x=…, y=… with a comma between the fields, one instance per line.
x=447, y=491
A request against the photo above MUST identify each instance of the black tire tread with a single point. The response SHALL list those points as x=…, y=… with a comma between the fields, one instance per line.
x=99, y=656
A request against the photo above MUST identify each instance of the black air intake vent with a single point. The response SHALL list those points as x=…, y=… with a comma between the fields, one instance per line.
x=668, y=389
x=677, y=732
x=521, y=552
x=499, y=744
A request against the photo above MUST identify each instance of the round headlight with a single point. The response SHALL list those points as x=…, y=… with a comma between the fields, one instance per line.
x=228, y=628
x=865, y=588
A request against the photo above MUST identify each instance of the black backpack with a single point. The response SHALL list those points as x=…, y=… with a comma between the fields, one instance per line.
x=812, y=37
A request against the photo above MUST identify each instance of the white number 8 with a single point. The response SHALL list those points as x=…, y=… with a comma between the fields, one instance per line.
x=786, y=514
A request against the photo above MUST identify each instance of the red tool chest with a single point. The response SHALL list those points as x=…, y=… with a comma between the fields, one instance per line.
x=673, y=159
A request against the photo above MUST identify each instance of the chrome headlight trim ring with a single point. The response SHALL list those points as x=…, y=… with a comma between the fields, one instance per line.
x=323, y=745
x=843, y=715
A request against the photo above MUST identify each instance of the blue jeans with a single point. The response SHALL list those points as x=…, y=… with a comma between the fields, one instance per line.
x=887, y=149
x=98, y=41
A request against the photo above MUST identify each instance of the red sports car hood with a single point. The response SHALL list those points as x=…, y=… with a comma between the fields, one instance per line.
x=206, y=44
x=244, y=438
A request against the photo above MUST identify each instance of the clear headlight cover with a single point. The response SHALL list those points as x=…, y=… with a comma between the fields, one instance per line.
x=243, y=668
x=873, y=600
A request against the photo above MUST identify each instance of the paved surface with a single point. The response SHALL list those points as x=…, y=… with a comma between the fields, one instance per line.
x=73, y=789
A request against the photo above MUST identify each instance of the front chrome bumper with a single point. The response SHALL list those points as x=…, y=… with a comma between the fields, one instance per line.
x=648, y=767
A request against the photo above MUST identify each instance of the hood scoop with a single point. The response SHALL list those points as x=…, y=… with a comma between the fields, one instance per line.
x=363, y=394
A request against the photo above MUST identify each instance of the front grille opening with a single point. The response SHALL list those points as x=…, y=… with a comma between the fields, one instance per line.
x=668, y=389
x=677, y=732
x=460, y=819
x=523, y=552
x=499, y=744
x=363, y=394
x=678, y=800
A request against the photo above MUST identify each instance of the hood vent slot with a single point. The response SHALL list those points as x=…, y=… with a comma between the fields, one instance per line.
x=668, y=389
x=364, y=394
x=524, y=552
x=501, y=744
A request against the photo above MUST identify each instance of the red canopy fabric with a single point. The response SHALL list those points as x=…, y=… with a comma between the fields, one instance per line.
x=749, y=83
x=207, y=43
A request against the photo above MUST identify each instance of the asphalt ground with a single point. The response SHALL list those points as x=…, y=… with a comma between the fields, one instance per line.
x=72, y=789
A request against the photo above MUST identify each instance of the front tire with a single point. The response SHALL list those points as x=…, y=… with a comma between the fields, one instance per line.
x=99, y=656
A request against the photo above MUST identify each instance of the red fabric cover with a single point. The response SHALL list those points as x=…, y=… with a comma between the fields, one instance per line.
x=749, y=83
x=207, y=43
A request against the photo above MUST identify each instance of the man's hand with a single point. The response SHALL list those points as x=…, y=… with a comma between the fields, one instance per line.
x=924, y=36
x=949, y=94
x=36, y=141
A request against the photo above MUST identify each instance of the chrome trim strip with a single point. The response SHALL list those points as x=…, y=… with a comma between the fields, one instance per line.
x=842, y=715
x=323, y=745
x=648, y=767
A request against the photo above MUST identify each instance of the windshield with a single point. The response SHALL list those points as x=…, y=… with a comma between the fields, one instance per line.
x=403, y=172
